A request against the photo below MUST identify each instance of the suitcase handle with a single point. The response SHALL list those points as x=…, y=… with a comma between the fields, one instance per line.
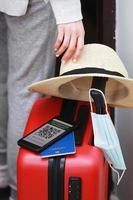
x=98, y=101
x=100, y=84
x=81, y=121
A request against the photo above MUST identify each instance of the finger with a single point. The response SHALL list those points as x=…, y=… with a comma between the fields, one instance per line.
x=64, y=45
x=79, y=49
x=59, y=39
x=71, y=49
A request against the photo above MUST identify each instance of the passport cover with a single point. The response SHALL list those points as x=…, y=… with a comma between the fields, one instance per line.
x=64, y=146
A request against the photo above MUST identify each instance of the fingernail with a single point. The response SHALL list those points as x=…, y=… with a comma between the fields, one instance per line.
x=57, y=55
x=63, y=61
x=74, y=60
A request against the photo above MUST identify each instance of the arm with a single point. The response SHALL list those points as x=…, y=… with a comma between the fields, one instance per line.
x=66, y=11
x=70, y=37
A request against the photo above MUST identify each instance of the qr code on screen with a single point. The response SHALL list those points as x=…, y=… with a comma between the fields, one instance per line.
x=48, y=131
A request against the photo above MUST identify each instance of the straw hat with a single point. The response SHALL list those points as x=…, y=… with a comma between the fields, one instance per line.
x=75, y=78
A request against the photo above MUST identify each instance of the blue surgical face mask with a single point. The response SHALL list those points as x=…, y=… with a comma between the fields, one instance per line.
x=105, y=137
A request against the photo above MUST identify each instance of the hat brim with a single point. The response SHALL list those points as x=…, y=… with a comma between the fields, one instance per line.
x=118, y=91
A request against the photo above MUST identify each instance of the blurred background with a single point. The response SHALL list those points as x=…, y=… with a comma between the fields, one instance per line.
x=124, y=117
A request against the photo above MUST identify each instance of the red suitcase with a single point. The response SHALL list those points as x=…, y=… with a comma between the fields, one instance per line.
x=81, y=176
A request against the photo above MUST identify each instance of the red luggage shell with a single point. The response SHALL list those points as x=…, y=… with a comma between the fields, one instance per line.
x=88, y=162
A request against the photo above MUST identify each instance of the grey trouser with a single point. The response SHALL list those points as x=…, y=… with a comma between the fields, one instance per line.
x=26, y=55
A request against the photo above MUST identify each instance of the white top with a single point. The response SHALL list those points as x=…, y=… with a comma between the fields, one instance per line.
x=65, y=10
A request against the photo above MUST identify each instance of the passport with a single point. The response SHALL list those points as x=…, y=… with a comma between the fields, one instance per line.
x=64, y=146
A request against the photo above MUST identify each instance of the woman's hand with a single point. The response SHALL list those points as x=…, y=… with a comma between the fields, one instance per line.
x=70, y=41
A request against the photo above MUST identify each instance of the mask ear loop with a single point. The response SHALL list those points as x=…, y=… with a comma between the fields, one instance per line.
x=90, y=100
x=106, y=107
x=118, y=175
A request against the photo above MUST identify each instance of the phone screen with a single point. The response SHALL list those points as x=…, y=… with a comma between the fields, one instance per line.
x=48, y=132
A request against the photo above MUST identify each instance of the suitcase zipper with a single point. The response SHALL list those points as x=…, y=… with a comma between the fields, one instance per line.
x=56, y=168
x=60, y=172
x=51, y=171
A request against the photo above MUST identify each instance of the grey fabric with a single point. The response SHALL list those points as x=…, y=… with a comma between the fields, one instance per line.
x=31, y=58
x=114, y=197
x=3, y=103
x=13, y=194
x=3, y=88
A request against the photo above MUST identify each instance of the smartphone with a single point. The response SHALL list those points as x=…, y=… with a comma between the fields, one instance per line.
x=45, y=135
